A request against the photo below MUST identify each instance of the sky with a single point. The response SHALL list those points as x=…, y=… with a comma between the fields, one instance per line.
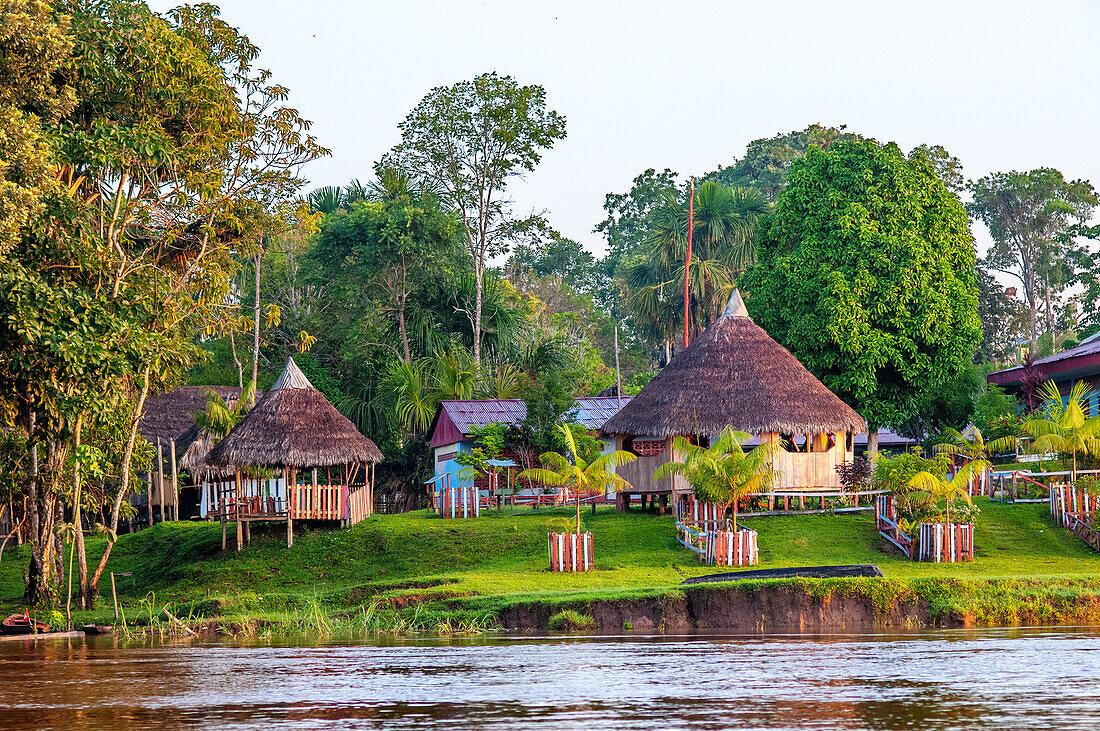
x=687, y=85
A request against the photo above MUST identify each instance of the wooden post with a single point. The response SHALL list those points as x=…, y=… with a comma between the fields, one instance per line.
x=289, y=519
x=286, y=504
x=316, y=501
x=149, y=496
x=175, y=485
x=240, y=526
x=160, y=479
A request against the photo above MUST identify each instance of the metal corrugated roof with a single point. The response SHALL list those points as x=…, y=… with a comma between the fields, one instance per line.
x=592, y=412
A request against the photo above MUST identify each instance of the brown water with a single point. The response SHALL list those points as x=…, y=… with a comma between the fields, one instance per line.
x=997, y=679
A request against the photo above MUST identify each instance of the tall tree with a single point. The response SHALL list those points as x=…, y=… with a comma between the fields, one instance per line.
x=175, y=156
x=767, y=161
x=1003, y=319
x=867, y=276
x=630, y=215
x=1028, y=215
x=471, y=139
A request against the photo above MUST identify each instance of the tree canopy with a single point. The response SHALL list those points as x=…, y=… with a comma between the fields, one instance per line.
x=866, y=274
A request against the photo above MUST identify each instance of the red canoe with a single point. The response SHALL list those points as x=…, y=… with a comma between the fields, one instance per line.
x=22, y=624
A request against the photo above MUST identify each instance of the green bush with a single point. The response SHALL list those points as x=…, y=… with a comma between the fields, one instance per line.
x=570, y=620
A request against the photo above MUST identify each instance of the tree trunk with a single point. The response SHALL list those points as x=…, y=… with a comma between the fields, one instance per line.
x=404, y=334
x=578, y=511
x=479, y=272
x=78, y=522
x=256, y=325
x=240, y=367
x=124, y=483
x=872, y=443
x=1050, y=314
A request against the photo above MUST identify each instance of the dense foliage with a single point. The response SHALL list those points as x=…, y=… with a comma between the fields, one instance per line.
x=867, y=276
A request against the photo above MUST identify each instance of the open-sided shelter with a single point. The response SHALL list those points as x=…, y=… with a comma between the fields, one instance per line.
x=735, y=375
x=319, y=466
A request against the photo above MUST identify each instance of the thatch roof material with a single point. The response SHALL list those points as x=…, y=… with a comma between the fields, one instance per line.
x=167, y=416
x=734, y=374
x=293, y=425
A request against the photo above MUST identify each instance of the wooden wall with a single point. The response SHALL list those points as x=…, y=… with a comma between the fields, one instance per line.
x=639, y=473
x=813, y=469
x=797, y=469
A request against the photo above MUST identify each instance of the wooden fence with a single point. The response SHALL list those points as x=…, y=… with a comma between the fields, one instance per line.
x=699, y=514
x=937, y=542
x=731, y=548
x=360, y=503
x=270, y=499
x=886, y=523
x=946, y=542
x=457, y=501
x=1068, y=499
x=571, y=552
x=318, y=502
x=1083, y=526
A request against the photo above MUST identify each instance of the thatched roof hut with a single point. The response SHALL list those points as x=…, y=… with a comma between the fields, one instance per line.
x=734, y=374
x=293, y=425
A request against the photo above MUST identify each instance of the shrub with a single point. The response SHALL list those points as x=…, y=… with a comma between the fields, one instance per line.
x=571, y=620
x=855, y=474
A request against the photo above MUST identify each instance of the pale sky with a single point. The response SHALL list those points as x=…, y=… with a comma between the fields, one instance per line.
x=686, y=85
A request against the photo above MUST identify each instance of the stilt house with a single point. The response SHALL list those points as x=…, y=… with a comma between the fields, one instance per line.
x=735, y=375
x=293, y=457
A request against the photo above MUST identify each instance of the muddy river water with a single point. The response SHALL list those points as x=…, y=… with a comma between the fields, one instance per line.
x=965, y=679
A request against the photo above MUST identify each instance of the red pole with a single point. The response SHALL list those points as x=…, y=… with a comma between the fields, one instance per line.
x=687, y=260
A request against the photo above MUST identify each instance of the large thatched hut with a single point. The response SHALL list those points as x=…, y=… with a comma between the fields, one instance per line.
x=294, y=456
x=735, y=375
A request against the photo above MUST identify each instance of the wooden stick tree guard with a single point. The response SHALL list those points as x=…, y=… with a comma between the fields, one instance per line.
x=571, y=552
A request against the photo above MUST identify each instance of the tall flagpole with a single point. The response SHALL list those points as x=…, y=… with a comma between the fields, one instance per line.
x=687, y=260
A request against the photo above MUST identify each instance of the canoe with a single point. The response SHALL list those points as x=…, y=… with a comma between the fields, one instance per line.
x=22, y=624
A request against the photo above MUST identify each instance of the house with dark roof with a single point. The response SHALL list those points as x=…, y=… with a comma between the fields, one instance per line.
x=454, y=420
x=1081, y=363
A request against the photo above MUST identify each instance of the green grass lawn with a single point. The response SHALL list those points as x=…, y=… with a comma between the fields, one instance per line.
x=502, y=557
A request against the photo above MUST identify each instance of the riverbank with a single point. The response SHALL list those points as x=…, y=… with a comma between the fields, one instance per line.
x=416, y=572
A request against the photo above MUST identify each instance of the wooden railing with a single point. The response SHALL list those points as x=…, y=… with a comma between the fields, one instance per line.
x=885, y=522
x=1084, y=528
x=318, y=502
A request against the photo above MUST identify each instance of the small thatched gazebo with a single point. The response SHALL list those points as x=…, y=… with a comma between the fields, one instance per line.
x=295, y=432
x=735, y=375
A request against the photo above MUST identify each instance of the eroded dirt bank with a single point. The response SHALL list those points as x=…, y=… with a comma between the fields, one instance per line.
x=786, y=609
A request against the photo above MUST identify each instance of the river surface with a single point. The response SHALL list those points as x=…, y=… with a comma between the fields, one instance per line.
x=968, y=679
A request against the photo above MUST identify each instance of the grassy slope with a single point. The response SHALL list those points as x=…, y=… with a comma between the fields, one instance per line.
x=502, y=558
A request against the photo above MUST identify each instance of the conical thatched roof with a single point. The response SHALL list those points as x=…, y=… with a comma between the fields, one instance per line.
x=293, y=425
x=735, y=375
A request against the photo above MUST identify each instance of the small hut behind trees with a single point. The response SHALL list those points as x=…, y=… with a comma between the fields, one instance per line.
x=294, y=456
x=735, y=375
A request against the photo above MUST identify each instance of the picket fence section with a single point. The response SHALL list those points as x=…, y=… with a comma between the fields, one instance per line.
x=458, y=501
x=946, y=542
x=1067, y=499
x=731, y=548
x=571, y=552
x=702, y=515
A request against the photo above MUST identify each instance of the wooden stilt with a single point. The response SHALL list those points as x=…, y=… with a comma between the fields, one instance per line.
x=289, y=517
x=248, y=532
x=149, y=495
x=160, y=479
x=240, y=527
x=175, y=484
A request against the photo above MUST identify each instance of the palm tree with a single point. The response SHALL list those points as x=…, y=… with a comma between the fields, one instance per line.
x=1061, y=425
x=416, y=402
x=724, y=472
x=974, y=448
x=217, y=419
x=949, y=490
x=572, y=472
x=723, y=245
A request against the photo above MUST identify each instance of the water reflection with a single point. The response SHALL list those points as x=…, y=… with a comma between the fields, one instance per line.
x=944, y=680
